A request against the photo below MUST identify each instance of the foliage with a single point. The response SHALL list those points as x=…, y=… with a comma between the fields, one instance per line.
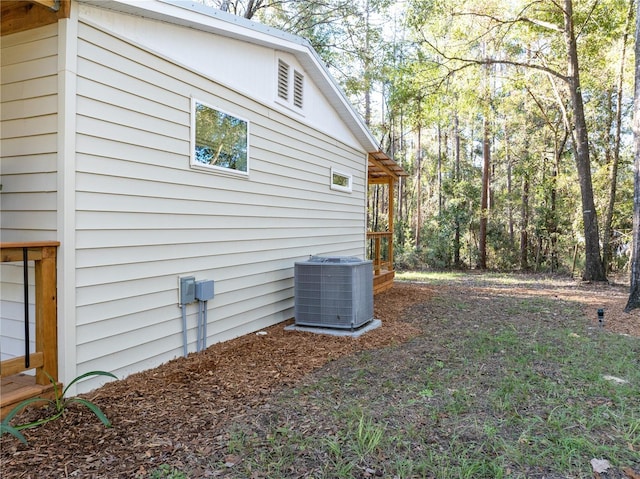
x=505, y=381
x=59, y=404
x=439, y=71
x=165, y=471
x=347, y=34
x=534, y=200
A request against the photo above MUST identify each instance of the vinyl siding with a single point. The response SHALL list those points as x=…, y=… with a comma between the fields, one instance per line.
x=28, y=141
x=254, y=71
x=12, y=310
x=145, y=217
x=28, y=97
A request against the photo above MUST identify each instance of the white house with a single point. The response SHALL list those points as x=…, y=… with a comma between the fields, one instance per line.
x=160, y=139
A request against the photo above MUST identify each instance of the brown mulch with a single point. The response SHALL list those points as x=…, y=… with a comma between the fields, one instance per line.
x=171, y=413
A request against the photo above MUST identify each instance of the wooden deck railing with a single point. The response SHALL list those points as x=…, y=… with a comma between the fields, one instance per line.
x=45, y=357
x=381, y=250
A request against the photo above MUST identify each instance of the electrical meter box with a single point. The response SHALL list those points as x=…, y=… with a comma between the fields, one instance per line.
x=187, y=289
x=204, y=290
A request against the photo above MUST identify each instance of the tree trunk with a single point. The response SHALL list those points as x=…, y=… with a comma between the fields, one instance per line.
x=418, y=188
x=524, y=213
x=554, y=234
x=609, y=163
x=367, y=70
x=507, y=159
x=401, y=192
x=613, y=173
x=634, y=293
x=553, y=227
x=484, y=197
x=376, y=207
x=439, y=171
x=594, y=269
x=456, y=235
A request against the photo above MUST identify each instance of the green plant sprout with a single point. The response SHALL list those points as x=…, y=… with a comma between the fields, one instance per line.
x=60, y=404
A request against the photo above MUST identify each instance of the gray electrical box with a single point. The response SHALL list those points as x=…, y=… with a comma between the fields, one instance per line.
x=204, y=290
x=187, y=289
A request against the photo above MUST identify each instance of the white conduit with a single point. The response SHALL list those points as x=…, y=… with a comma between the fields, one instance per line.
x=204, y=336
x=201, y=342
x=184, y=328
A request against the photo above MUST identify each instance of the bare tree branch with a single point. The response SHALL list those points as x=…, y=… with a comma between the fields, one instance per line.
x=493, y=61
x=543, y=24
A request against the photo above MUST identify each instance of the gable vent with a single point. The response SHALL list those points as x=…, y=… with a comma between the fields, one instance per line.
x=283, y=80
x=298, y=82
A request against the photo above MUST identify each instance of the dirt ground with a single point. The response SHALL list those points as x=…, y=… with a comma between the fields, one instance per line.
x=168, y=414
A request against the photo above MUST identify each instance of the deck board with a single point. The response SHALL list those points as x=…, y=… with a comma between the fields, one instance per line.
x=19, y=387
x=383, y=281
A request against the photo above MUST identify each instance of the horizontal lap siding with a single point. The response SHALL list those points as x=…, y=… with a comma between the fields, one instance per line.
x=144, y=217
x=28, y=95
x=12, y=309
x=28, y=142
x=12, y=339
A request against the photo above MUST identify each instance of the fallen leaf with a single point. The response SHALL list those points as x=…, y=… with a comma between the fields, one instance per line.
x=231, y=460
x=600, y=465
x=615, y=379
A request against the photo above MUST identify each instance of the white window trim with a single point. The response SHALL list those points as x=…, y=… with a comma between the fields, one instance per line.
x=192, y=153
x=346, y=189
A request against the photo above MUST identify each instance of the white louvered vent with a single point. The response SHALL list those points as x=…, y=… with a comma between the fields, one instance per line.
x=298, y=83
x=283, y=80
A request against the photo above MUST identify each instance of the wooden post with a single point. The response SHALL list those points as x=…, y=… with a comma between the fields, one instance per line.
x=45, y=357
x=46, y=315
x=390, y=223
x=376, y=264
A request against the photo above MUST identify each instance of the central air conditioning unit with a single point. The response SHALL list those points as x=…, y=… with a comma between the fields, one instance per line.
x=333, y=292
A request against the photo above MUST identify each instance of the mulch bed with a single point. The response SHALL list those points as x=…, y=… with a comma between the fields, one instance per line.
x=175, y=412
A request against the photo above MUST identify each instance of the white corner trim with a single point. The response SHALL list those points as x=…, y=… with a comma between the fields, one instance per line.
x=66, y=194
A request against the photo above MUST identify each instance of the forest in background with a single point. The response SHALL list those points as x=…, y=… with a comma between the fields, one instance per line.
x=513, y=119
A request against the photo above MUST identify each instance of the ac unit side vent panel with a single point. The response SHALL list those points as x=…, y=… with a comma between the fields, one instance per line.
x=333, y=292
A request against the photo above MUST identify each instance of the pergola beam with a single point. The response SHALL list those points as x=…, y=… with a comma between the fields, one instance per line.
x=50, y=4
x=20, y=15
x=386, y=171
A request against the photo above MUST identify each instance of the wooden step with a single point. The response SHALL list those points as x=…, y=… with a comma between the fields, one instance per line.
x=19, y=387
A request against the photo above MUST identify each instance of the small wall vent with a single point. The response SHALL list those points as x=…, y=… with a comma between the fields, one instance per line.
x=333, y=292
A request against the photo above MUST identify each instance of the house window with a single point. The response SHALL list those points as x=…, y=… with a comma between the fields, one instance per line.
x=290, y=85
x=219, y=139
x=341, y=181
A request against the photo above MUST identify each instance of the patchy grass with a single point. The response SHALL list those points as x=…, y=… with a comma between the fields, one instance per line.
x=166, y=471
x=470, y=375
x=498, y=385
